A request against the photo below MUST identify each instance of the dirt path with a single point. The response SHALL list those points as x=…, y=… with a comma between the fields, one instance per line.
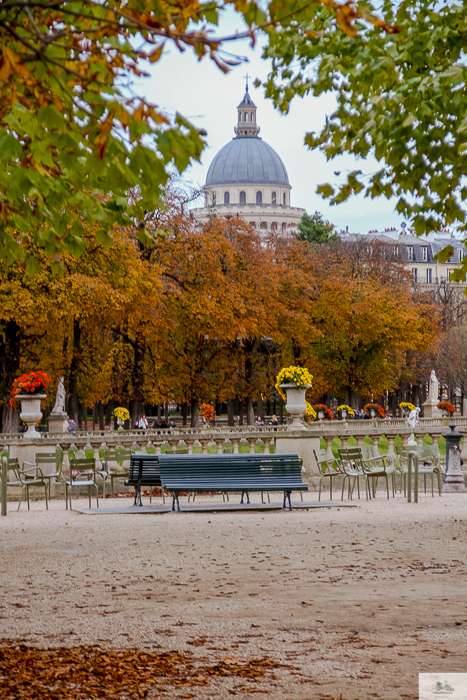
x=354, y=601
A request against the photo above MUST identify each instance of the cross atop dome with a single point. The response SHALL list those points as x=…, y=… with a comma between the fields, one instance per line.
x=246, y=125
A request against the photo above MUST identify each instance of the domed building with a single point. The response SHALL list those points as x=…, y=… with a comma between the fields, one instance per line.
x=248, y=179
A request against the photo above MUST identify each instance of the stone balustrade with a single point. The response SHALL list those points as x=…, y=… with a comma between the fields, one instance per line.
x=229, y=439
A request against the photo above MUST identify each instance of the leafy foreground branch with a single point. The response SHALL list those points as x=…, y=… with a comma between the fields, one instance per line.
x=90, y=671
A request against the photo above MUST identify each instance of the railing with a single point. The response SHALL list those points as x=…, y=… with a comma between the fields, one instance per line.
x=224, y=438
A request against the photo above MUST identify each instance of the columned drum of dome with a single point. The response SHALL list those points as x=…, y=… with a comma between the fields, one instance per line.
x=248, y=179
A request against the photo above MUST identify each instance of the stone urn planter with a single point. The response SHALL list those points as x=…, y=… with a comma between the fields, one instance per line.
x=344, y=415
x=31, y=412
x=320, y=415
x=120, y=424
x=295, y=405
x=373, y=413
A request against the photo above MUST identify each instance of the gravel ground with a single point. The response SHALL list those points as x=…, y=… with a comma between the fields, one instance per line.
x=355, y=601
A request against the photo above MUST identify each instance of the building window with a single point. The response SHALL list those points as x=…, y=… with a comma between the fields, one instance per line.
x=284, y=225
x=396, y=250
x=206, y=200
x=263, y=224
x=414, y=275
x=273, y=198
x=252, y=117
x=410, y=252
x=213, y=197
x=460, y=253
x=226, y=198
x=424, y=253
x=253, y=223
x=274, y=226
x=428, y=275
x=259, y=198
x=246, y=116
x=242, y=197
x=284, y=199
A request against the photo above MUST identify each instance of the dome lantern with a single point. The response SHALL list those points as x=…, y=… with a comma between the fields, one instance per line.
x=246, y=124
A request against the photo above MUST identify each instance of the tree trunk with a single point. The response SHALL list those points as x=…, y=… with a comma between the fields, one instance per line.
x=185, y=408
x=260, y=407
x=9, y=369
x=250, y=414
x=241, y=409
x=10, y=419
x=194, y=413
x=109, y=409
x=100, y=409
x=137, y=381
x=230, y=412
x=73, y=408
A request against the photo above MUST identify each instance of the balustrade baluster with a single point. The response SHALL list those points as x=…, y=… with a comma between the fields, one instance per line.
x=204, y=445
x=220, y=446
x=375, y=441
x=329, y=453
x=360, y=439
x=252, y=444
x=158, y=447
x=391, y=446
x=234, y=442
x=173, y=445
x=189, y=445
x=267, y=443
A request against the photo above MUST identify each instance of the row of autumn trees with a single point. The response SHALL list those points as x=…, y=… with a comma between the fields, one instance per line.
x=210, y=314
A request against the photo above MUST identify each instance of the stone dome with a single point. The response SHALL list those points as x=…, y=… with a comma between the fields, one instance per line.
x=247, y=159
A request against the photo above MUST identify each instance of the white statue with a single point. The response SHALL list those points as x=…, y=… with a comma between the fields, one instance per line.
x=411, y=441
x=433, y=389
x=412, y=419
x=59, y=406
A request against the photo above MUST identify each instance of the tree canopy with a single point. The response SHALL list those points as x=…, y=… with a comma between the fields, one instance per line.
x=314, y=229
x=400, y=96
x=75, y=137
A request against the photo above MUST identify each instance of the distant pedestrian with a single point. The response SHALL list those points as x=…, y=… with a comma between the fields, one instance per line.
x=71, y=425
x=143, y=423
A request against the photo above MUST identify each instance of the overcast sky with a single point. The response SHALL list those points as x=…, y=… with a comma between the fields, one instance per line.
x=201, y=92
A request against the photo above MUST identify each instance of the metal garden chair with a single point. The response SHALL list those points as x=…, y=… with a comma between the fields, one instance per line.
x=328, y=469
x=429, y=464
x=82, y=473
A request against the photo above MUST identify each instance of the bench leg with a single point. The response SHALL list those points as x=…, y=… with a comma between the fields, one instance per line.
x=175, y=500
x=138, y=495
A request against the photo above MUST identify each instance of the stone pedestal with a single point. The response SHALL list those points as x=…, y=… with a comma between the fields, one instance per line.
x=58, y=422
x=303, y=447
x=431, y=410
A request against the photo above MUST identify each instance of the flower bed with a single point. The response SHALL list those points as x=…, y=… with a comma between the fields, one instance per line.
x=322, y=408
x=30, y=384
x=446, y=406
x=292, y=375
x=374, y=407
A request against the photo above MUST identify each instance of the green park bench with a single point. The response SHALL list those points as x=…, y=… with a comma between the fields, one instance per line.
x=222, y=473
